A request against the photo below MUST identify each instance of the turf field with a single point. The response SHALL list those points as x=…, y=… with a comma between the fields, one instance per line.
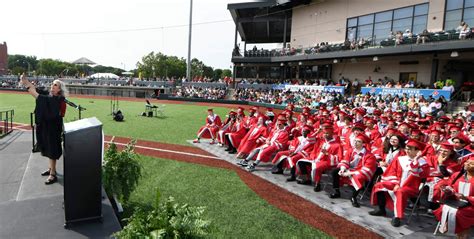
x=234, y=209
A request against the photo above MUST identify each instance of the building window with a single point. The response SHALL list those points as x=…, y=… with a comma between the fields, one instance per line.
x=457, y=11
x=378, y=26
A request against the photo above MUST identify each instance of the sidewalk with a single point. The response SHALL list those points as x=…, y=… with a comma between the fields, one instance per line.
x=31, y=209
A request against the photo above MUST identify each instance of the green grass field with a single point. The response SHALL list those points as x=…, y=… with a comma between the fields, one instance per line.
x=234, y=209
x=181, y=121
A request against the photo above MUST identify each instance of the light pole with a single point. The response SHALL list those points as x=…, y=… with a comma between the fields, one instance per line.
x=188, y=68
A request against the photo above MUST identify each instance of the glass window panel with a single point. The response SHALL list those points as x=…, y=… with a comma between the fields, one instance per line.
x=421, y=9
x=453, y=4
x=352, y=22
x=403, y=12
x=383, y=16
x=366, y=19
x=364, y=31
x=469, y=16
x=419, y=24
x=469, y=3
x=382, y=31
x=351, y=33
x=452, y=20
x=402, y=24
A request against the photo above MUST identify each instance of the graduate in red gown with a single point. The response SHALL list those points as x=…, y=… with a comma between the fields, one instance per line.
x=400, y=181
x=460, y=187
x=213, y=124
x=356, y=168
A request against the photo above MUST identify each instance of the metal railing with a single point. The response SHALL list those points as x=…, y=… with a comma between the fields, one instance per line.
x=6, y=122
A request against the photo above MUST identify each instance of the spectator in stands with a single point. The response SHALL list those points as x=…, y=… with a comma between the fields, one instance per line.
x=407, y=34
x=448, y=87
x=463, y=30
x=398, y=38
x=361, y=43
x=423, y=37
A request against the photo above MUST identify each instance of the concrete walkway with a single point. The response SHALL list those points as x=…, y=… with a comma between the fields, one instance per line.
x=31, y=209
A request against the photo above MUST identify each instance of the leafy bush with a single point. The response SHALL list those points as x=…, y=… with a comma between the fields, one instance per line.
x=168, y=219
x=121, y=171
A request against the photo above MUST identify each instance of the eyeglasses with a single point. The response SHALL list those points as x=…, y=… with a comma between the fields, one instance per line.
x=456, y=142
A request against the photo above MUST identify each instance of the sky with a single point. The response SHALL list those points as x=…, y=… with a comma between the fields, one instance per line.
x=104, y=31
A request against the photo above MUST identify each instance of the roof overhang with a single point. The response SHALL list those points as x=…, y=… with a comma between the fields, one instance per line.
x=263, y=21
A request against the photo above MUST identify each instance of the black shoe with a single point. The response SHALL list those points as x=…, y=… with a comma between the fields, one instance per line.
x=396, y=222
x=354, y=202
x=243, y=163
x=292, y=178
x=302, y=180
x=317, y=187
x=232, y=151
x=335, y=194
x=46, y=173
x=378, y=212
x=277, y=170
x=51, y=180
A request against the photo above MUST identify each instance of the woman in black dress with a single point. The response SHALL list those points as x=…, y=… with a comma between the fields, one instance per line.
x=49, y=112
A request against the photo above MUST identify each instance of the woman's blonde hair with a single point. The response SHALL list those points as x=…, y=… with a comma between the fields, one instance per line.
x=62, y=86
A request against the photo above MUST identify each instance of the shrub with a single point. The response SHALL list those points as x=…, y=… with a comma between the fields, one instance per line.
x=121, y=171
x=168, y=219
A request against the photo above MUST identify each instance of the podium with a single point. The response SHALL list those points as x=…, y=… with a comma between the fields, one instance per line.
x=83, y=152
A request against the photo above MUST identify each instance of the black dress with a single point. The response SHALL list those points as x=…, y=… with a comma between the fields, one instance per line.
x=49, y=125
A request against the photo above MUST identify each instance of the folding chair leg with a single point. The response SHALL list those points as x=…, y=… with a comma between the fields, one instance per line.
x=363, y=194
x=437, y=227
x=416, y=204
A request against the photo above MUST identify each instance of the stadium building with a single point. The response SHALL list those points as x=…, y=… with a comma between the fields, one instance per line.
x=354, y=39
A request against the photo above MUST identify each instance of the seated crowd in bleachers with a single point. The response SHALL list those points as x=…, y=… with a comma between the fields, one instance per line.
x=198, y=92
x=462, y=32
x=379, y=146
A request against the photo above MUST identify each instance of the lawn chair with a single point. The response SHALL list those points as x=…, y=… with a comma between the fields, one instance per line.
x=160, y=111
x=150, y=109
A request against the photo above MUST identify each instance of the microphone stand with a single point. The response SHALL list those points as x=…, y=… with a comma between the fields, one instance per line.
x=78, y=107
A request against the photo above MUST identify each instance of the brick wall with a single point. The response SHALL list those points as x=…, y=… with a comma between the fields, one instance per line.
x=3, y=58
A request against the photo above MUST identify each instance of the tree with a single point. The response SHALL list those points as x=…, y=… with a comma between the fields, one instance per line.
x=217, y=74
x=226, y=72
x=20, y=63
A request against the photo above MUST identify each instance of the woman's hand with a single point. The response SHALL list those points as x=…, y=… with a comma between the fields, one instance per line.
x=24, y=80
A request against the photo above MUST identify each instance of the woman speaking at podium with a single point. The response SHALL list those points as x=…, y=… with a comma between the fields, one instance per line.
x=49, y=112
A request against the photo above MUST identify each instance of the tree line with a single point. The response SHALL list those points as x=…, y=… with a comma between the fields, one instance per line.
x=153, y=65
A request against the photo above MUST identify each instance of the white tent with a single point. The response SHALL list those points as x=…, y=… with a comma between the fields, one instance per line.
x=104, y=76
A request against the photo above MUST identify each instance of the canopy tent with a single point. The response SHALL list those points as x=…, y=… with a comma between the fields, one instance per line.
x=83, y=61
x=127, y=73
x=104, y=75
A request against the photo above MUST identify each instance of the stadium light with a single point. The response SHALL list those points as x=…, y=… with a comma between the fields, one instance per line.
x=454, y=54
x=282, y=64
x=335, y=61
x=375, y=58
x=300, y=63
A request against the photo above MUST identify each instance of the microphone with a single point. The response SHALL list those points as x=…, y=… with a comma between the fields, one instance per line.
x=73, y=105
